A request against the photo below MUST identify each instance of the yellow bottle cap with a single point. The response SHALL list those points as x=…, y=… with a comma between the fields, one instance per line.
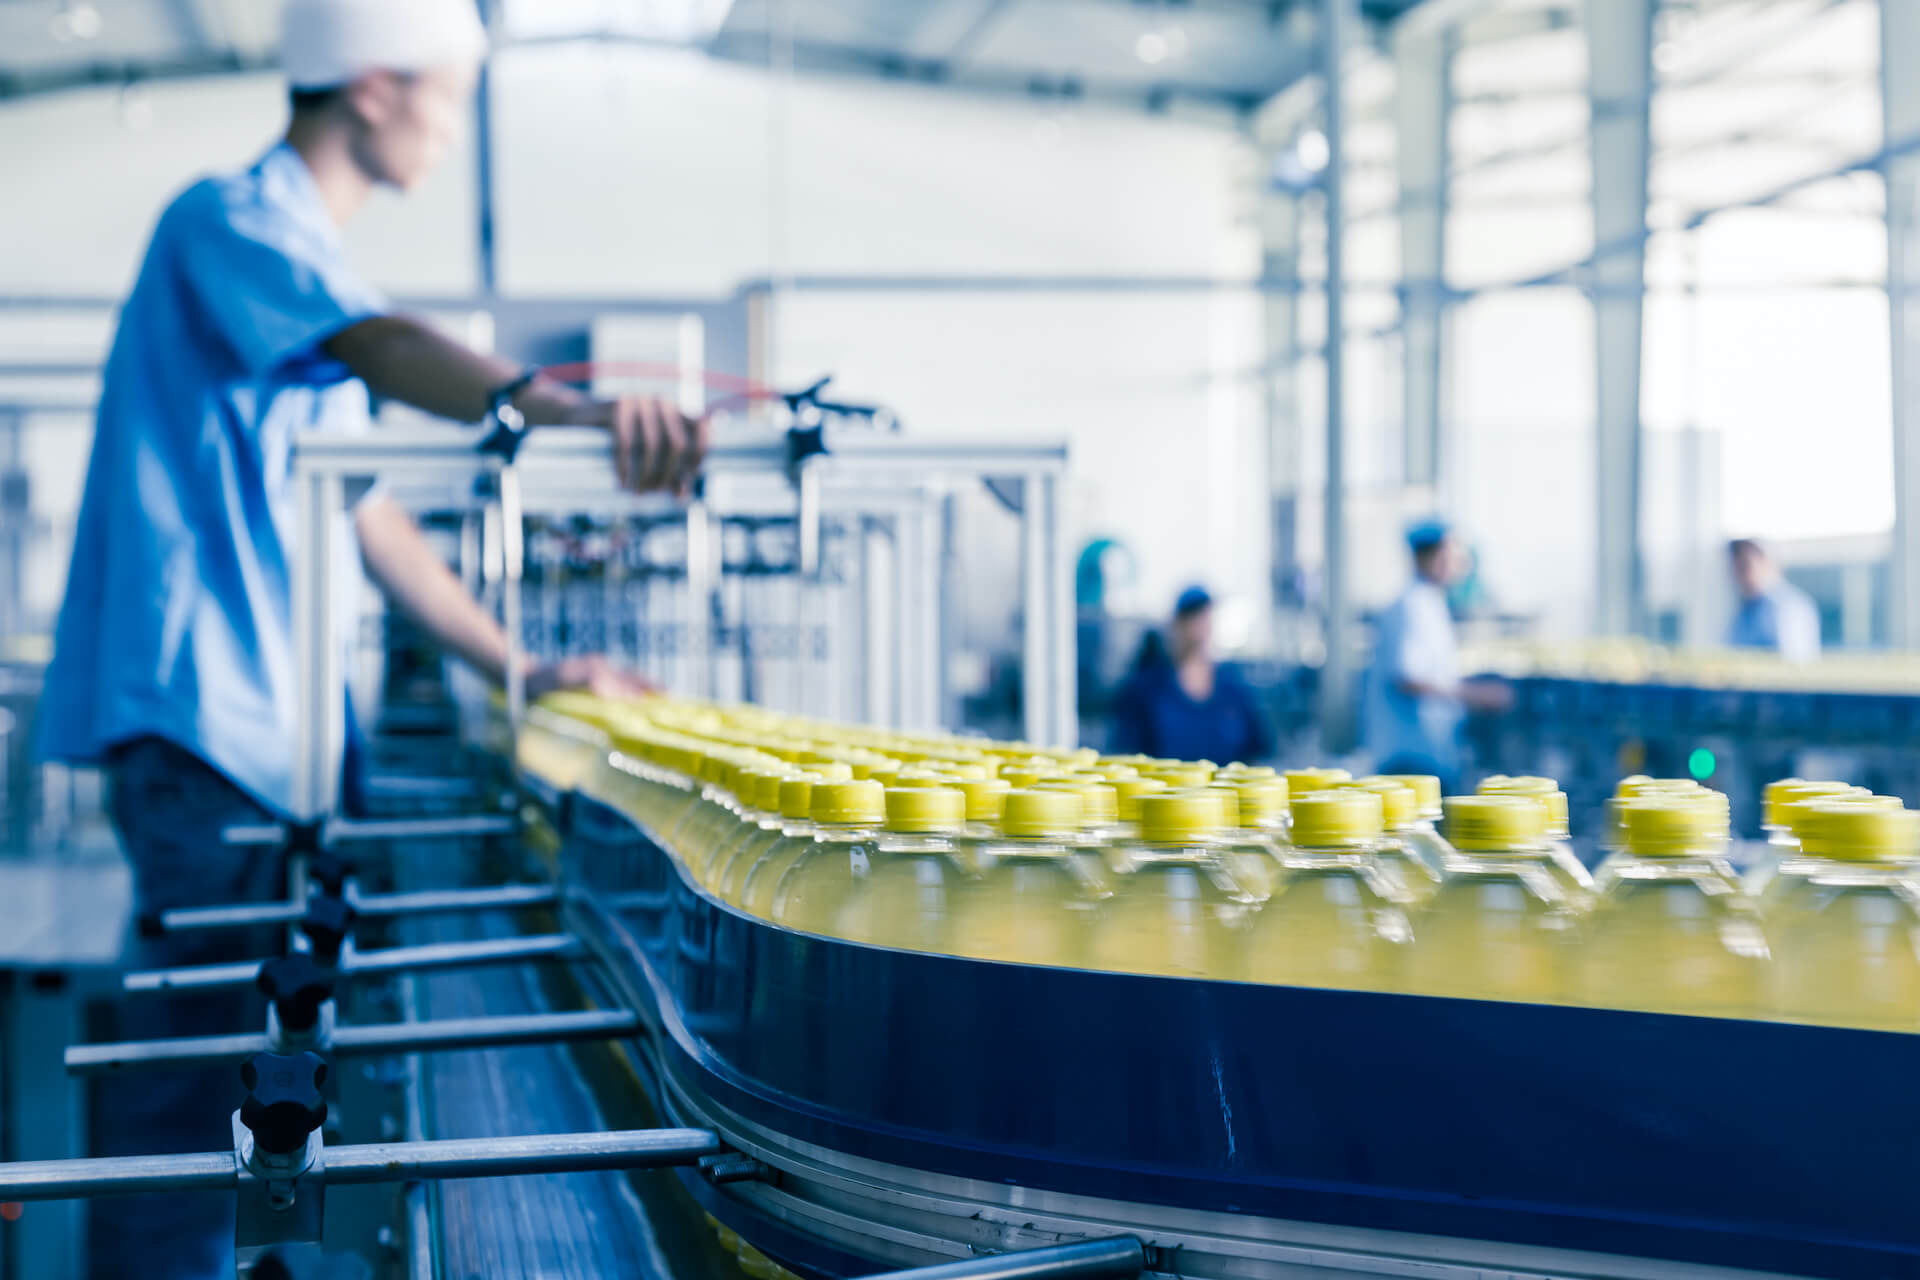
x=1794, y=812
x=1545, y=790
x=1099, y=806
x=965, y=769
x=1181, y=817
x=1133, y=762
x=1786, y=791
x=1024, y=775
x=925, y=810
x=1859, y=832
x=1041, y=814
x=796, y=795
x=1229, y=805
x=1128, y=792
x=1426, y=790
x=1399, y=806
x=1116, y=772
x=1495, y=823
x=760, y=789
x=1238, y=770
x=858, y=803
x=1336, y=819
x=1263, y=798
x=1181, y=774
x=1641, y=785
x=1302, y=782
x=1667, y=826
x=985, y=796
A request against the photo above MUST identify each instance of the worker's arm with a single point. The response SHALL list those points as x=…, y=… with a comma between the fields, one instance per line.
x=656, y=447
x=417, y=581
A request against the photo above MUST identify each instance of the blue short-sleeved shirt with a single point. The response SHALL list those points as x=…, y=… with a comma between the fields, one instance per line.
x=1415, y=642
x=177, y=619
x=1783, y=619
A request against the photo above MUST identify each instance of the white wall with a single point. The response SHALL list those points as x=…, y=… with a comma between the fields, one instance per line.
x=634, y=173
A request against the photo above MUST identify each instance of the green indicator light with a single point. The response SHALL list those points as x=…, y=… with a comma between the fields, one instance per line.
x=1701, y=764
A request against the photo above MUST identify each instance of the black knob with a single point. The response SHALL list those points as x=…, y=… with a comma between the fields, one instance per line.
x=298, y=987
x=283, y=1103
x=327, y=923
x=329, y=871
x=305, y=837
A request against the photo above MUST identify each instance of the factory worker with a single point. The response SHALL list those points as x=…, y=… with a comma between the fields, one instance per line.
x=1773, y=614
x=174, y=659
x=1179, y=702
x=1415, y=698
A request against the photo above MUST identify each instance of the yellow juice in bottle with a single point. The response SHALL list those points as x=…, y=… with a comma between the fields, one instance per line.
x=1672, y=932
x=803, y=883
x=1030, y=901
x=1849, y=955
x=1499, y=927
x=898, y=890
x=1337, y=918
x=1176, y=910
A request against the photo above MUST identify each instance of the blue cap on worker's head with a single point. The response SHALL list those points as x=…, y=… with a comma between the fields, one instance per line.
x=1192, y=601
x=1426, y=535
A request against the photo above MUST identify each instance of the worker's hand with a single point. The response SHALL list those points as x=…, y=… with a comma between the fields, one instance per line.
x=592, y=674
x=1487, y=697
x=656, y=448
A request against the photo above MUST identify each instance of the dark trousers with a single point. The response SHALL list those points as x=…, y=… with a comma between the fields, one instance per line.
x=169, y=809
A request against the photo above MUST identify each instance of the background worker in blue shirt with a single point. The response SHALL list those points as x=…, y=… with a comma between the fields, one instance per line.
x=1415, y=698
x=1773, y=614
x=1179, y=703
x=174, y=660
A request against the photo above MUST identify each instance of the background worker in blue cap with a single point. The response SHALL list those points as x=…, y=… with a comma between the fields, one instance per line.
x=1180, y=703
x=173, y=666
x=1415, y=699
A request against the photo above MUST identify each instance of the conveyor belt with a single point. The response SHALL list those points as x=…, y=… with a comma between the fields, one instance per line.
x=575, y=1225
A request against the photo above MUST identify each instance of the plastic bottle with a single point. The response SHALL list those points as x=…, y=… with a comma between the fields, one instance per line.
x=1500, y=925
x=1127, y=796
x=1782, y=843
x=1400, y=812
x=1850, y=955
x=1031, y=902
x=897, y=889
x=728, y=877
x=1337, y=917
x=1572, y=872
x=1672, y=932
x=1098, y=829
x=758, y=791
x=1257, y=840
x=1177, y=911
x=845, y=817
x=1790, y=888
x=1421, y=835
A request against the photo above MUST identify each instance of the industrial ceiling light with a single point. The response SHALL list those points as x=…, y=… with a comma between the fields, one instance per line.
x=77, y=20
